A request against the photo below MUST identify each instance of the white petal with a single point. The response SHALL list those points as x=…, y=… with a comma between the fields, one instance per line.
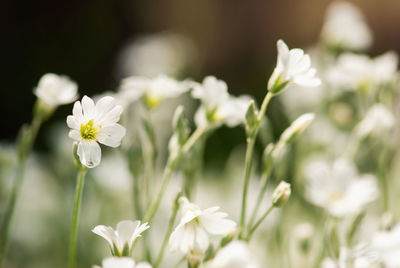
x=111, y=135
x=202, y=239
x=125, y=230
x=77, y=112
x=143, y=265
x=114, y=262
x=73, y=122
x=75, y=135
x=103, y=106
x=111, y=117
x=88, y=108
x=188, y=236
x=107, y=233
x=89, y=153
x=216, y=224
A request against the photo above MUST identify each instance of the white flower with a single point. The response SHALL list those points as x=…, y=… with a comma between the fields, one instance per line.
x=217, y=105
x=115, y=262
x=153, y=90
x=55, y=90
x=338, y=188
x=359, y=257
x=387, y=245
x=354, y=71
x=91, y=123
x=293, y=66
x=345, y=27
x=378, y=120
x=298, y=126
x=235, y=255
x=191, y=234
x=121, y=240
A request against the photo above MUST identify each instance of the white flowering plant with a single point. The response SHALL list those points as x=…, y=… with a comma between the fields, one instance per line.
x=313, y=181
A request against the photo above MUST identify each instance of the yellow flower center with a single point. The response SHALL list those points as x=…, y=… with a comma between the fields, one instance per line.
x=152, y=101
x=89, y=131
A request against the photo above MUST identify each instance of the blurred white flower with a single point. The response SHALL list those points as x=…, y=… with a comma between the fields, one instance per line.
x=235, y=255
x=91, y=123
x=387, y=244
x=355, y=71
x=217, y=105
x=345, y=27
x=361, y=256
x=160, y=53
x=115, y=262
x=338, y=188
x=153, y=90
x=191, y=234
x=377, y=121
x=121, y=240
x=55, y=90
x=293, y=66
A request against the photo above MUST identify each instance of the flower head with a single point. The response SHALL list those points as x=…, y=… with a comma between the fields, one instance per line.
x=152, y=91
x=345, y=27
x=121, y=240
x=55, y=90
x=91, y=123
x=217, y=106
x=377, y=121
x=281, y=194
x=235, y=255
x=354, y=71
x=192, y=232
x=338, y=188
x=293, y=66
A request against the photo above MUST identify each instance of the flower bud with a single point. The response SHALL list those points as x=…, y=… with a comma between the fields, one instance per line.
x=281, y=194
x=251, y=118
x=298, y=126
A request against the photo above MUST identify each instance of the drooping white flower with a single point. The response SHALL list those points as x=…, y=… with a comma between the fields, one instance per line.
x=293, y=66
x=91, y=123
x=124, y=262
x=192, y=232
x=235, y=255
x=153, y=91
x=338, y=188
x=377, y=121
x=55, y=90
x=354, y=71
x=387, y=244
x=345, y=27
x=121, y=240
x=217, y=105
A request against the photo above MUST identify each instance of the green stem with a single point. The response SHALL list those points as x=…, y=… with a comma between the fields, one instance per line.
x=258, y=223
x=75, y=217
x=249, y=159
x=260, y=196
x=26, y=140
x=169, y=230
x=169, y=169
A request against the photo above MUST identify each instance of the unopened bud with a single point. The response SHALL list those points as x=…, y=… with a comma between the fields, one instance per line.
x=281, y=194
x=298, y=126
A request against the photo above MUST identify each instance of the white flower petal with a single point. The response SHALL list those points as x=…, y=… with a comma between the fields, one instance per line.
x=107, y=233
x=88, y=108
x=103, y=106
x=89, y=153
x=114, y=262
x=111, y=135
x=75, y=135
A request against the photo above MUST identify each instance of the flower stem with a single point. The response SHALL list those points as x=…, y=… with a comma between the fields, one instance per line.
x=260, y=196
x=258, y=223
x=169, y=169
x=249, y=159
x=26, y=140
x=75, y=217
x=169, y=230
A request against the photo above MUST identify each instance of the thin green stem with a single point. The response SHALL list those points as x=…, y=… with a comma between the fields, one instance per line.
x=249, y=159
x=260, y=197
x=75, y=217
x=169, y=230
x=258, y=223
x=26, y=140
x=169, y=169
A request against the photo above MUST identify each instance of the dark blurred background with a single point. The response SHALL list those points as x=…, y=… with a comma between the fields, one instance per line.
x=235, y=40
